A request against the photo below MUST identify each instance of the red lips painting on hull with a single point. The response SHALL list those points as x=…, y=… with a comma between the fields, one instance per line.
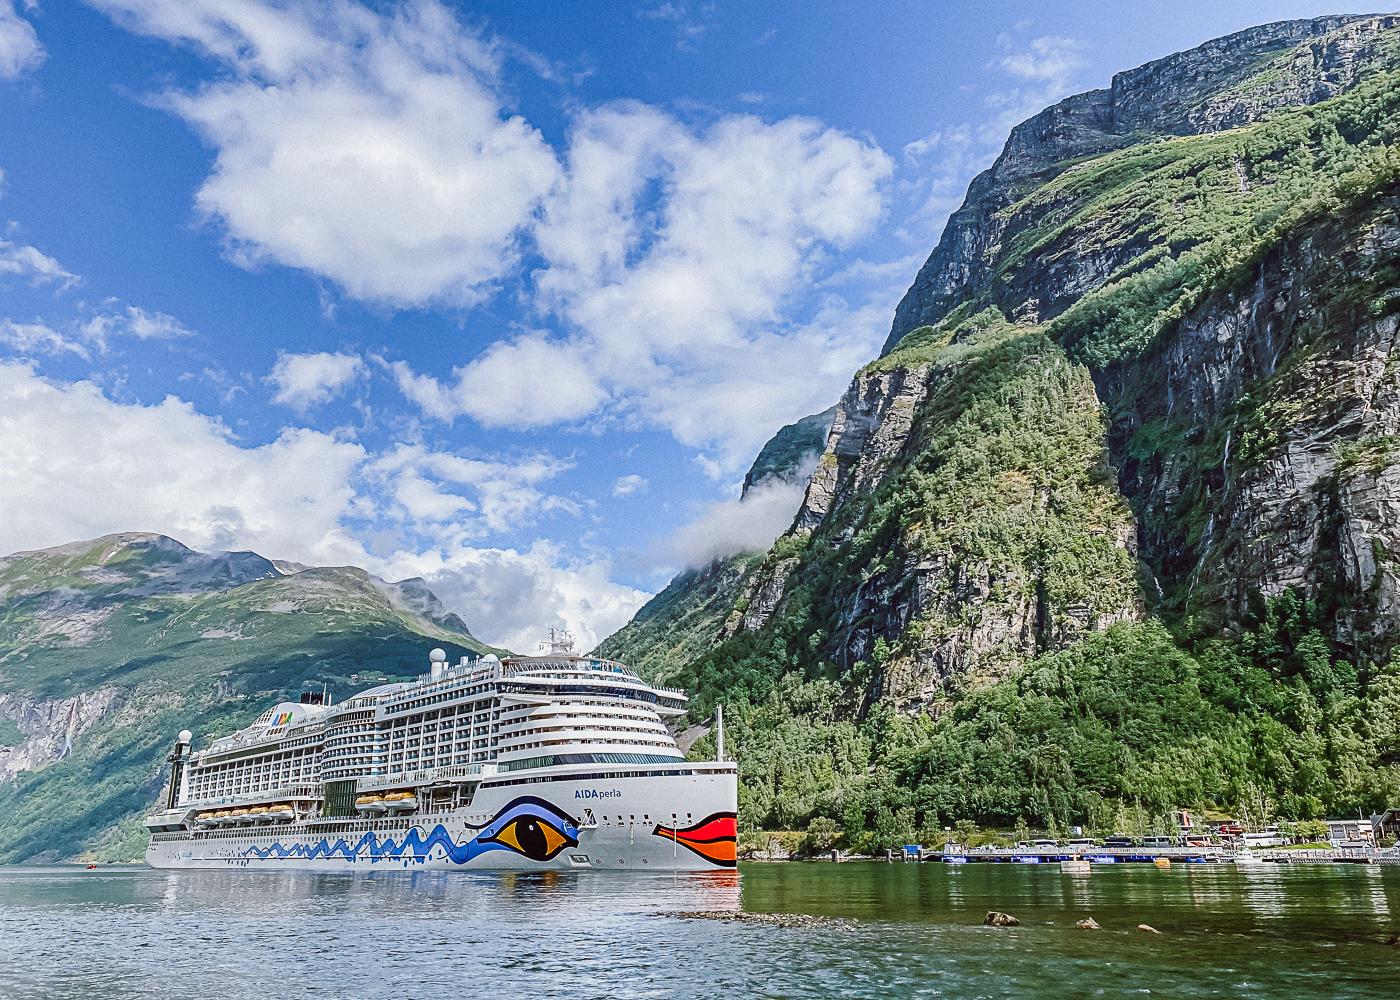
x=713, y=838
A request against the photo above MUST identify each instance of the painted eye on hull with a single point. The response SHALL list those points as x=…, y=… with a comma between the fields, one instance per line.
x=533, y=836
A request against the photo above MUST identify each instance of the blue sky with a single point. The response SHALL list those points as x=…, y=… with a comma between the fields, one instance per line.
x=506, y=295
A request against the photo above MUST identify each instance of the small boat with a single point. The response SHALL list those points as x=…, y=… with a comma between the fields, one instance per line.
x=955, y=859
x=1026, y=859
x=370, y=804
x=1248, y=859
x=1075, y=866
x=280, y=811
x=238, y=815
x=223, y=816
x=1162, y=863
x=259, y=814
x=91, y=867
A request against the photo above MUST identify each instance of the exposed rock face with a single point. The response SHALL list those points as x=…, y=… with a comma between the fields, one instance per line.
x=1278, y=408
x=870, y=428
x=50, y=727
x=963, y=559
x=1222, y=84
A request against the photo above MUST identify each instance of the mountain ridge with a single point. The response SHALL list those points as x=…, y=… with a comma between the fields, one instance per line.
x=1135, y=429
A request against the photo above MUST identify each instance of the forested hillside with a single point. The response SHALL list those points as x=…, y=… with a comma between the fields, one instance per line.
x=109, y=648
x=1110, y=528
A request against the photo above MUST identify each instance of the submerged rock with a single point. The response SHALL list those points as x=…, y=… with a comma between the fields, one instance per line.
x=1148, y=928
x=1087, y=924
x=995, y=918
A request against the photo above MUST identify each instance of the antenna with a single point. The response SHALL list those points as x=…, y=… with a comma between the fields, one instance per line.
x=719, y=732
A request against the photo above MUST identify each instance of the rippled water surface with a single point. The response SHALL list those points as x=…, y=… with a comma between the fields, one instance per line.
x=907, y=930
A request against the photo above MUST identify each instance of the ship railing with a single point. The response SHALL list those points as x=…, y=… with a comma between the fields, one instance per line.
x=391, y=779
x=265, y=795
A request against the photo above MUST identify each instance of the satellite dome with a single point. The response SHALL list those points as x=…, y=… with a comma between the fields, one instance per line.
x=438, y=656
x=186, y=736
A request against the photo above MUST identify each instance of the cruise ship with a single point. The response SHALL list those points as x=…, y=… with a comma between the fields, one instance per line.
x=556, y=761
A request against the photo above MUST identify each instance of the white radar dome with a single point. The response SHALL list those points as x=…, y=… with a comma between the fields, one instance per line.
x=438, y=656
x=186, y=736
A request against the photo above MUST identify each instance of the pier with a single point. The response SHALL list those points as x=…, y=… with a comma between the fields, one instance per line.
x=1141, y=855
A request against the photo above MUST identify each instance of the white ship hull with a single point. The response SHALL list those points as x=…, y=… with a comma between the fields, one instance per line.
x=683, y=820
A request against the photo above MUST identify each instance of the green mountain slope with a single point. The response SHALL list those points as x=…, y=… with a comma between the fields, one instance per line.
x=109, y=647
x=1109, y=529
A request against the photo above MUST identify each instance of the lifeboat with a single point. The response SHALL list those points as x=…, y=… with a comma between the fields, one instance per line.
x=259, y=814
x=401, y=801
x=205, y=819
x=238, y=816
x=222, y=816
x=370, y=804
x=280, y=811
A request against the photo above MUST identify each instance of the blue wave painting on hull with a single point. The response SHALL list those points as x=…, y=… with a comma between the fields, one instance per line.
x=519, y=827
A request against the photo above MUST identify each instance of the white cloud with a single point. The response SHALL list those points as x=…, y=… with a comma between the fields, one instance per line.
x=1049, y=58
x=369, y=148
x=307, y=380
x=625, y=486
x=30, y=339
x=749, y=524
x=75, y=464
x=117, y=320
x=521, y=593
x=20, y=50
x=531, y=381
x=430, y=486
x=33, y=265
x=677, y=258
x=92, y=335
x=1046, y=67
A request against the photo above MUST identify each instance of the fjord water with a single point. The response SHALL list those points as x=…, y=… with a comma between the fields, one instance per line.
x=902, y=930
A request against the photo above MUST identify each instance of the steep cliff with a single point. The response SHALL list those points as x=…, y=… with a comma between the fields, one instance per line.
x=109, y=647
x=1148, y=375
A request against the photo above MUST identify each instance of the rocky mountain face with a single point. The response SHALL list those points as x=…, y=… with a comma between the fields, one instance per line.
x=1149, y=372
x=1227, y=83
x=109, y=647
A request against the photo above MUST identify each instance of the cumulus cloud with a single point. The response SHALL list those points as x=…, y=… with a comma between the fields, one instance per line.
x=625, y=486
x=76, y=464
x=20, y=50
x=516, y=595
x=306, y=380
x=34, y=266
x=674, y=257
x=531, y=381
x=747, y=524
x=371, y=148
x=430, y=486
